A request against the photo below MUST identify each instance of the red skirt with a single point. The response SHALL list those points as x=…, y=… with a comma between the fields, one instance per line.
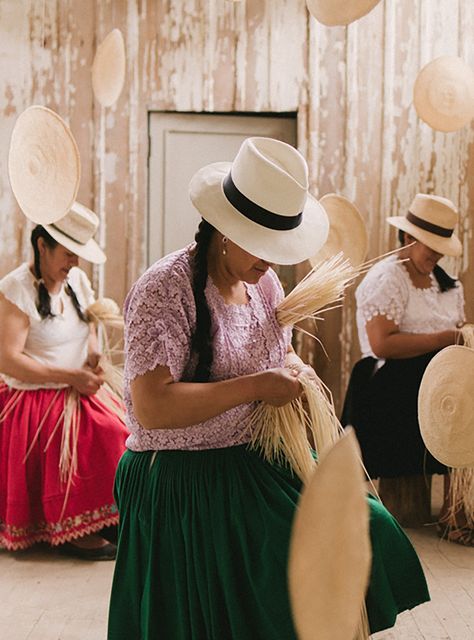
x=57, y=469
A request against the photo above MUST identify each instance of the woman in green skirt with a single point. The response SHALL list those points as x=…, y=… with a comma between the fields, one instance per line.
x=205, y=521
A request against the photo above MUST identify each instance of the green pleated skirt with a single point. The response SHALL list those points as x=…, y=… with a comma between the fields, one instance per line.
x=203, y=550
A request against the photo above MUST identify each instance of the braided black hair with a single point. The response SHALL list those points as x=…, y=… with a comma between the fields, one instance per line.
x=201, y=341
x=443, y=279
x=44, y=301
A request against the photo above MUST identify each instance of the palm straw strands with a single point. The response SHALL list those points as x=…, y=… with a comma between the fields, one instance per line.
x=462, y=480
x=105, y=314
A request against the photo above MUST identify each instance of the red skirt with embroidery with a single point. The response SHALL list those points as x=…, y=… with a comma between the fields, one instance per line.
x=58, y=454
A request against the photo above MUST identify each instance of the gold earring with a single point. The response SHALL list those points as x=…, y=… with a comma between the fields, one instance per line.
x=224, y=248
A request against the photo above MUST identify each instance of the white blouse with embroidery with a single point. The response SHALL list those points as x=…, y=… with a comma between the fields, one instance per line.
x=387, y=290
x=60, y=341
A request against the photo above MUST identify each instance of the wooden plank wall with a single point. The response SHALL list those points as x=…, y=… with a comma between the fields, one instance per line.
x=351, y=87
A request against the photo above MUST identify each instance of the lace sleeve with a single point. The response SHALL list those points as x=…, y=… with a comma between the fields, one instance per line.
x=460, y=303
x=20, y=293
x=159, y=319
x=383, y=292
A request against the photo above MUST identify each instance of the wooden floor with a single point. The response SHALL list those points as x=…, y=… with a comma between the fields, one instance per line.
x=45, y=596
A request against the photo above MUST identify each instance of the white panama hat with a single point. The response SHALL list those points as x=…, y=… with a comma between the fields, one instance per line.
x=43, y=165
x=339, y=12
x=75, y=231
x=261, y=202
x=431, y=220
x=347, y=231
x=443, y=94
x=331, y=534
x=108, y=69
x=446, y=406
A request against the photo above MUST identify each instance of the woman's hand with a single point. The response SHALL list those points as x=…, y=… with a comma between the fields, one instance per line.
x=87, y=381
x=93, y=359
x=279, y=386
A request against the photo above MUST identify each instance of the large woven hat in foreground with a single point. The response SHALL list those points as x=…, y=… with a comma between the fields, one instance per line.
x=446, y=406
x=43, y=165
x=330, y=552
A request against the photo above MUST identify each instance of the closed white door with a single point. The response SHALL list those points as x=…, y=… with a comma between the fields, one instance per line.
x=179, y=145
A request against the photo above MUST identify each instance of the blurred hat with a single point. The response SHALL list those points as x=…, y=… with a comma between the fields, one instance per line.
x=446, y=406
x=444, y=93
x=330, y=551
x=261, y=202
x=43, y=165
x=75, y=231
x=108, y=69
x=347, y=231
x=431, y=220
x=339, y=12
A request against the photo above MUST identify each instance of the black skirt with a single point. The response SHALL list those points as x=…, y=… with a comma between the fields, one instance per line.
x=382, y=406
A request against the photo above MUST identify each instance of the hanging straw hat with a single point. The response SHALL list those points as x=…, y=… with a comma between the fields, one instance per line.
x=446, y=406
x=347, y=231
x=431, y=220
x=444, y=93
x=75, y=231
x=43, y=165
x=108, y=69
x=330, y=552
x=261, y=202
x=339, y=12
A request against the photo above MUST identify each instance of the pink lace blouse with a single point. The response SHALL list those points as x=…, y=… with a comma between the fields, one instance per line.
x=159, y=324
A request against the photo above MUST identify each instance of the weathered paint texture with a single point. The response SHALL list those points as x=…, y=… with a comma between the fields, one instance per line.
x=351, y=87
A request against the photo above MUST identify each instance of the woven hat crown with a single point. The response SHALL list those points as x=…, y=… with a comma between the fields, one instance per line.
x=271, y=174
x=435, y=209
x=79, y=223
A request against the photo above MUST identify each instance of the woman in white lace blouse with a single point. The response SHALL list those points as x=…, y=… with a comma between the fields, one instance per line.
x=408, y=308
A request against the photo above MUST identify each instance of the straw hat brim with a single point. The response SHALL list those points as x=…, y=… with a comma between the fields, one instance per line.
x=443, y=94
x=43, y=165
x=447, y=246
x=108, y=69
x=347, y=231
x=331, y=533
x=446, y=406
x=278, y=247
x=339, y=12
x=89, y=251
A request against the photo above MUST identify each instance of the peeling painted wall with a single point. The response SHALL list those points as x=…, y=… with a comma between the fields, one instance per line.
x=352, y=88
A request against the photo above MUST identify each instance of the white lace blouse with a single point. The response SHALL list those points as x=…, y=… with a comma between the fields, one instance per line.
x=60, y=341
x=387, y=290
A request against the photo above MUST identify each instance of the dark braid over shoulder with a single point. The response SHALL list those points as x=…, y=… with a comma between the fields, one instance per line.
x=202, y=342
x=44, y=301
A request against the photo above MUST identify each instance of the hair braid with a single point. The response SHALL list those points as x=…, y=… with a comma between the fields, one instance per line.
x=201, y=342
x=44, y=301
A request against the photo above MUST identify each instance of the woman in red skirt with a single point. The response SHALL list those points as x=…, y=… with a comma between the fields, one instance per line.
x=60, y=439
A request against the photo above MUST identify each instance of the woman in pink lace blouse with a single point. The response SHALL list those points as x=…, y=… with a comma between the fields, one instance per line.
x=204, y=520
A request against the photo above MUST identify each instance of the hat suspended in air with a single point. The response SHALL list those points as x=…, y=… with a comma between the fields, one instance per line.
x=446, y=406
x=108, y=69
x=443, y=94
x=339, y=12
x=330, y=551
x=347, y=231
x=43, y=165
x=431, y=220
x=261, y=202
